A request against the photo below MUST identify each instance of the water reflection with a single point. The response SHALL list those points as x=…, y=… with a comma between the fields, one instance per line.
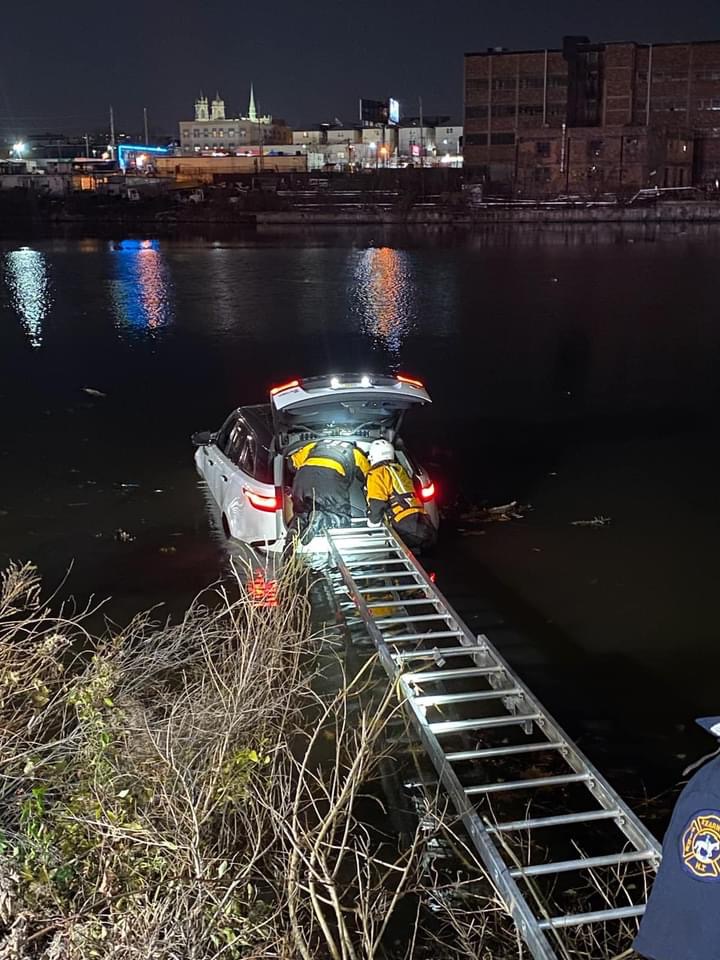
x=142, y=290
x=384, y=294
x=28, y=281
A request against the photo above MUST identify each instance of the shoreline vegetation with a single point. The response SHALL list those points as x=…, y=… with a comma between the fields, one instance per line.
x=201, y=790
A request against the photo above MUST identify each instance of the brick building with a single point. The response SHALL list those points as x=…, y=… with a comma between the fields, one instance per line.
x=594, y=117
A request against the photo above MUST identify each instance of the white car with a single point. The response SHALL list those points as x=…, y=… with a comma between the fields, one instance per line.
x=245, y=462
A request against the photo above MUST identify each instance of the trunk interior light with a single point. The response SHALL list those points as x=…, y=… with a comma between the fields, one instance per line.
x=427, y=492
x=284, y=386
x=269, y=504
x=409, y=380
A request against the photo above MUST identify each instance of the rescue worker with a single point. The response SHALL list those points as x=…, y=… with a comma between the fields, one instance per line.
x=324, y=473
x=390, y=492
x=682, y=919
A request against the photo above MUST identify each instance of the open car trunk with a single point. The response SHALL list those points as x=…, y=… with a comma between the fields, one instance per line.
x=350, y=407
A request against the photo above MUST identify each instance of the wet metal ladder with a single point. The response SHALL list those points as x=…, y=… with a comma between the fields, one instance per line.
x=461, y=696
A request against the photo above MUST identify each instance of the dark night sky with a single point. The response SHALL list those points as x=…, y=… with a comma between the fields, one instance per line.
x=61, y=65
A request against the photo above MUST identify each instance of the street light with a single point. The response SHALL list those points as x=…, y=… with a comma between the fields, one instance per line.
x=18, y=148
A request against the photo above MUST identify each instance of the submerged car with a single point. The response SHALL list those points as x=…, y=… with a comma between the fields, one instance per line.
x=245, y=462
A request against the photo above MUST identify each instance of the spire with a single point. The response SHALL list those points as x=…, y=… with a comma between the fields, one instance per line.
x=252, y=112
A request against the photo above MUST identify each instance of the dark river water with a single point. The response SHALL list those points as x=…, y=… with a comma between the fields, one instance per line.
x=573, y=370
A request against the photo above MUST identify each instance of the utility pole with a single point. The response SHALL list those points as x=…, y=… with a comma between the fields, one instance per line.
x=86, y=138
x=145, y=122
x=112, y=133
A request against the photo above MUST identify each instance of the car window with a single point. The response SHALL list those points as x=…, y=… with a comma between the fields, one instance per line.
x=236, y=443
x=246, y=458
x=224, y=433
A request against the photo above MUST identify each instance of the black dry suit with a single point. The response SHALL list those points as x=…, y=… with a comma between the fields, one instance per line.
x=321, y=487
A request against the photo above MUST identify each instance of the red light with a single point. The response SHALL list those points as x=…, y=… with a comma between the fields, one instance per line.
x=262, y=591
x=413, y=383
x=284, y=386
x=262, y=502
x=433, y=577
x=428, y=492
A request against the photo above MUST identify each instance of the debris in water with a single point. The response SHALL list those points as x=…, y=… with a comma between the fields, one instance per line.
x=508, y=511
x=123, y=536
x=92, y=392
x=595, y=522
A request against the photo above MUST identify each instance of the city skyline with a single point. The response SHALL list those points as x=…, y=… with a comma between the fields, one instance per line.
x=55, y=76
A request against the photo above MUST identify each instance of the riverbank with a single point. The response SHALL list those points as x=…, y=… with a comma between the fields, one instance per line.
x=271, y=210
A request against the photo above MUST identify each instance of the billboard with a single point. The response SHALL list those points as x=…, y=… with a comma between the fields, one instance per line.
x=379, y=113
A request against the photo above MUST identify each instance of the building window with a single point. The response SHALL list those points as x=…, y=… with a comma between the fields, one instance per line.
x=542, y=175
x=502, y=139
x=230, y=132
x=477, y=86
x=476, y=113
x=532, y=83
x=557, y=80
x=530, y=110
x=476, y=139
x=196, y=133
x=542, y=148
x=503, y=110
x=708, y=73
x=710, y=103
x=504, y=83
x=595, y=149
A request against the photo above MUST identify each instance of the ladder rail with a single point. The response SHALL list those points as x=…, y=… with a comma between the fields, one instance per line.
x=498, y=870
x=604, y=793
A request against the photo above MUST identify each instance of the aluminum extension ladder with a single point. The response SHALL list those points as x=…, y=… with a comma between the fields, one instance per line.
x=429, y=652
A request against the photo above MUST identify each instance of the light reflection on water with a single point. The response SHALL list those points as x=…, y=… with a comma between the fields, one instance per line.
x=142, y=289
x=28, y=281
x=384, y=296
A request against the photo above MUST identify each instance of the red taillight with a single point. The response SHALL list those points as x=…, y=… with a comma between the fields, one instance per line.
x=413, y=383
x=284, y=386
x=262, y=502
x=427, y=492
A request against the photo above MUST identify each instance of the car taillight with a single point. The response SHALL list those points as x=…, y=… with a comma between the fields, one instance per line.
x=427, y=492
x=261, y=501
x=284, y=386
x=401, y=378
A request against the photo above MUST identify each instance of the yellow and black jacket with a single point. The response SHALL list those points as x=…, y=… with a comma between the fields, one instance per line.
x=342, y=457
x=390, y=489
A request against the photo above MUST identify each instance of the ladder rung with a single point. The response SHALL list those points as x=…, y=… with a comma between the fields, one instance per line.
x=537, y=822
x=435, y=700
x=419, y=619
x=452, y=674
x=599, y=916
x=375, y=563
x=408, y=603
x=584, y=863
x=505, y=751
x=390, y=573
x=454, y=726
x=403, y=588
x=362, y=550
x=428, y=636
x=437, y=652
x=527, y=784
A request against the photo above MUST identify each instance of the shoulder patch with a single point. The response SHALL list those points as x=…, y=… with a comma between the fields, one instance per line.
x=700, y=846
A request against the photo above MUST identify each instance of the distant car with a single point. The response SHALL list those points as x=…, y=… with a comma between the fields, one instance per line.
x=245, y=462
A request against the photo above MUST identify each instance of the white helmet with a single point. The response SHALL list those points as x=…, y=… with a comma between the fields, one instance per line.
x=380, y=450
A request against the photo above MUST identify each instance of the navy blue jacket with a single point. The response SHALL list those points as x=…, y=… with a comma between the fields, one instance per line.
x=682, y=920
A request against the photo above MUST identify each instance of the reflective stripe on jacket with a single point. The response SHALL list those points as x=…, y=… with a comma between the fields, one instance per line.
x=389, y=487
x=337, y=455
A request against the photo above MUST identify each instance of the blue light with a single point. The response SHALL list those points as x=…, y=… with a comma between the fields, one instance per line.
x=125, y=148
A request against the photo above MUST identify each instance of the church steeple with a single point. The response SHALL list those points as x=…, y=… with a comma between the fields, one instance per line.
x=252, y=111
